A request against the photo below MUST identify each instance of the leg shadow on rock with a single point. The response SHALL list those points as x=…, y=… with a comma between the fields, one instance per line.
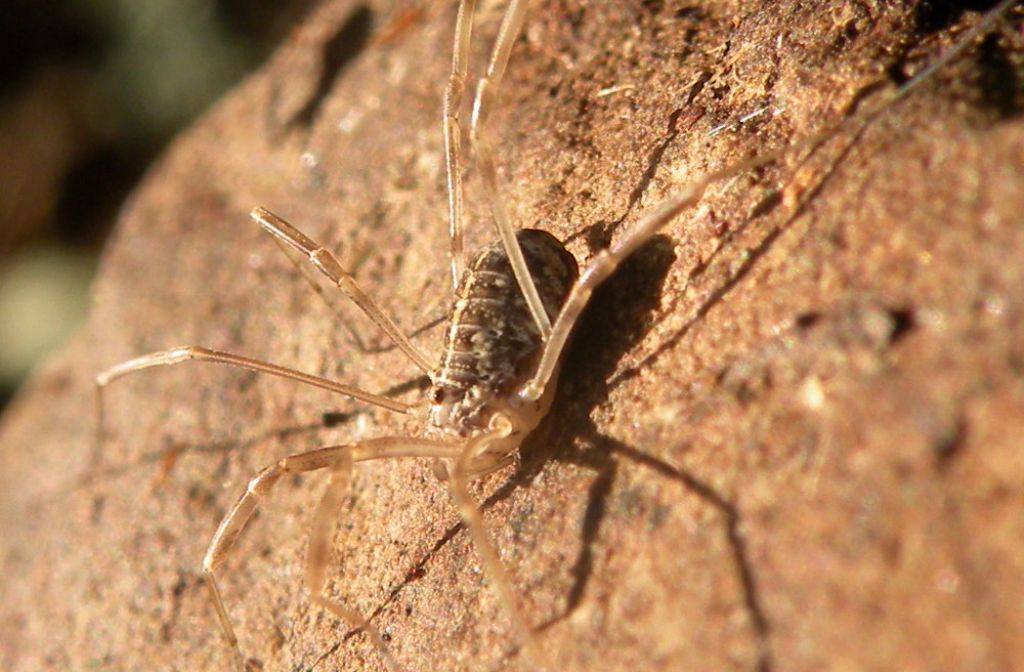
x=627, y=301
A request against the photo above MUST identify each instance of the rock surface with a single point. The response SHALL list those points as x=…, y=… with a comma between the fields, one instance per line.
x=788, y=434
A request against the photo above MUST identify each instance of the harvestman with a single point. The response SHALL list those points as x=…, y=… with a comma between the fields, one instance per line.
x=515, y=305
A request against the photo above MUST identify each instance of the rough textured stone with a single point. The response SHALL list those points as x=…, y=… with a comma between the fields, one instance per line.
x=788, y=432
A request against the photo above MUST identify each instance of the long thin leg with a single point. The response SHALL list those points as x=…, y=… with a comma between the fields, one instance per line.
x=301, y=265
x=604, y=263
x=339, y=459
x=453, y=132
x=475, y=461
x=600, y=267
x=313, y=281
x=325, y=521
x=190, y=352
x=511, y=25
x=327, y=264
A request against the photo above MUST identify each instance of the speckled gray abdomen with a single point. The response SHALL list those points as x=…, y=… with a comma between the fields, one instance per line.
x=492, y=341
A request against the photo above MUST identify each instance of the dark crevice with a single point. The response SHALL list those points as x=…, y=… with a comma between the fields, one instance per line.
x=350, y=40
x=807, y=321
x=994, y=69
x=934, y=16
x=417, y=572
x=950, y=445
x=323, y=656
x=766, y=205
x=177, y=589
x=334, y=418
x=652, y=6
x=1000, y=78
x=903, y=322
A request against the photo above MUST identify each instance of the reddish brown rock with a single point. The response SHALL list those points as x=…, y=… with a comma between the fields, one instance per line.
x=788, y=433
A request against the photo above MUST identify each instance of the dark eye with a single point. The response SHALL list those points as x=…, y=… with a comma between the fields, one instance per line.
x=437, y=395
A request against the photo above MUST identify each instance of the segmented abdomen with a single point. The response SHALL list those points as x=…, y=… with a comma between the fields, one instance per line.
x=492, y=338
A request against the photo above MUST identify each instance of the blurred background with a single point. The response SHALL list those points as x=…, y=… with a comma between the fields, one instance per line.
x=90, y=92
